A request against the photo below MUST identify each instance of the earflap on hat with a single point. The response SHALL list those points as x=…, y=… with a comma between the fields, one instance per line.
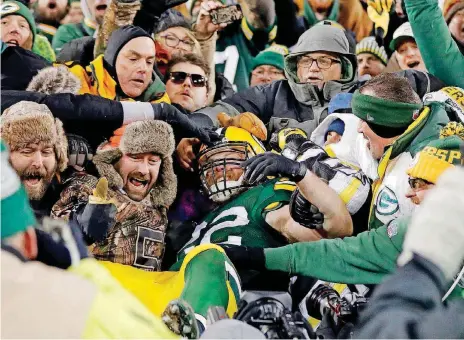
x=27, y=122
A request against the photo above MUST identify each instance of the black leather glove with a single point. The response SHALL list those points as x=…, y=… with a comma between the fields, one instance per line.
x=60, y=244
x=245, y=257
x=98, y=215
x=305, y=213
x=79, y=151
x=271, y=164
x=183, y=125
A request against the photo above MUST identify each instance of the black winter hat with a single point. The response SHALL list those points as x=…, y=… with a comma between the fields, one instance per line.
x=171, y=18
x=116, y=42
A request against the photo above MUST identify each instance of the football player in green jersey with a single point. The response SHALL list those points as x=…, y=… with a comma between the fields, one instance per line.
x=247, y=214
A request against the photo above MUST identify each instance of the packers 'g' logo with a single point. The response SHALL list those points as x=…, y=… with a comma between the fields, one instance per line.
x=8, y=7
x=387, y=203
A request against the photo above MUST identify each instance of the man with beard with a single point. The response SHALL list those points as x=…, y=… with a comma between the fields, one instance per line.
x=372, y=58
x=125, y=71
x=38, y=151
x=137, y=163
x=48, y=15
x=94, y=12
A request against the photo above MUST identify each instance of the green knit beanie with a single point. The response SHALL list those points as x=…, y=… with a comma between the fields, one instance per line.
x=384, y=112
x=16, y=213
x=273, y=55
x=17, y=8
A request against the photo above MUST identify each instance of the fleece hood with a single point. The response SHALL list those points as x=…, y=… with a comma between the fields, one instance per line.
x=321, y=38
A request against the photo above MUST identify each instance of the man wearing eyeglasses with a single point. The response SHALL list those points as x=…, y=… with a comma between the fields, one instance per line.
x=320, y=67
x=268, y=65
x=370, y=256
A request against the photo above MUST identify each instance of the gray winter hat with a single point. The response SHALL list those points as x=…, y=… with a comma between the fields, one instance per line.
x=321, y=38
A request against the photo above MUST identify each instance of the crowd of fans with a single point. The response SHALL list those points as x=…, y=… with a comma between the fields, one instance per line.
x=170, y=170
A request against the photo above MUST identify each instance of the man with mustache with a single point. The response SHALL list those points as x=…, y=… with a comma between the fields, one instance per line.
x=48, y=15
x=38, y=151
x=137, y=163
x=94, y=12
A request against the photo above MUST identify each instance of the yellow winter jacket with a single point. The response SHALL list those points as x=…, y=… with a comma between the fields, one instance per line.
x=116, y=313
x=96, y=80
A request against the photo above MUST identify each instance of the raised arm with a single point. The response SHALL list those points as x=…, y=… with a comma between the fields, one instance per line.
x=438, y=49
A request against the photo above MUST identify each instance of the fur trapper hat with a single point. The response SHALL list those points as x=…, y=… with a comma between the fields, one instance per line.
x=52, y=80
x=140, y=137
x=27, y=122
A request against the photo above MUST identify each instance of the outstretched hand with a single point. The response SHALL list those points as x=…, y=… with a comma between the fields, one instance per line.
x=271, y=164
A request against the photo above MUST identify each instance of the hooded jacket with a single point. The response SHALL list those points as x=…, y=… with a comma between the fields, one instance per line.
x=136, y=236
x=100, y=77
x=288, y=103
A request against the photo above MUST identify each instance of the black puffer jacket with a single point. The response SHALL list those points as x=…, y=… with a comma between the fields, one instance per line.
x=19, y=66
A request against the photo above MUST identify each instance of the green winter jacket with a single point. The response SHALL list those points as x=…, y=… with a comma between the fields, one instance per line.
x=389, y=189
x=430, y=31
x=363, y=259
x=69, y=32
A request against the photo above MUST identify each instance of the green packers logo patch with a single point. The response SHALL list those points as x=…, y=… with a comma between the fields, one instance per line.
x=9, y=7
x=387, y=202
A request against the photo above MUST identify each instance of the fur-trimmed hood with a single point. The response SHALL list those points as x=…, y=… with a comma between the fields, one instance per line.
x=53, y=79
x=140, y=137
x=27, y=122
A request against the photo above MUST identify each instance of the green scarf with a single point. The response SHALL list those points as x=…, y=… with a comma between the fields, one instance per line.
x=384, y=112
x=311, y=17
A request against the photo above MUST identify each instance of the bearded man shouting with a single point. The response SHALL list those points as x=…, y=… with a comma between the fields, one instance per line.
x=39, y=150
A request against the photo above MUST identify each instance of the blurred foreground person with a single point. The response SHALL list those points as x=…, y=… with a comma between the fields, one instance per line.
x=40, y=301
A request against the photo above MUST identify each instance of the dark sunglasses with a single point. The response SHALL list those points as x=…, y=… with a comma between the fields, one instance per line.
x=179, y=77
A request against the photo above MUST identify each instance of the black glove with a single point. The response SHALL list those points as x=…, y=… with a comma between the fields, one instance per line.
x=245, y=257
x=271, y=164
x=79, y=151
x=95, y=220
x=59, y=244
x=183, y=125
x=305, y=213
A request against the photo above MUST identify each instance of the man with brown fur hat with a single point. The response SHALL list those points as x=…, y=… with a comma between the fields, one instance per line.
x=39, y=149
x=137, y=162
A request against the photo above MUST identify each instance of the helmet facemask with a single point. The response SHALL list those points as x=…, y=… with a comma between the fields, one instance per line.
x=220, y=171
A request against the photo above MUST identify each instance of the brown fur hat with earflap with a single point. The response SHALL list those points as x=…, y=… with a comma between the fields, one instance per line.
x=141, y=137
x=27, y=122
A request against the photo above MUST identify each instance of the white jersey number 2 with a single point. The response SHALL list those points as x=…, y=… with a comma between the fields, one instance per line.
x=229, y=57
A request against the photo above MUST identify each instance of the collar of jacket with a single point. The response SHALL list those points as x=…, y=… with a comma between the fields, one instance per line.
x=89, y=26
x=249, y=31
x=311, y=17
x=309, y=94
x=107, y=86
